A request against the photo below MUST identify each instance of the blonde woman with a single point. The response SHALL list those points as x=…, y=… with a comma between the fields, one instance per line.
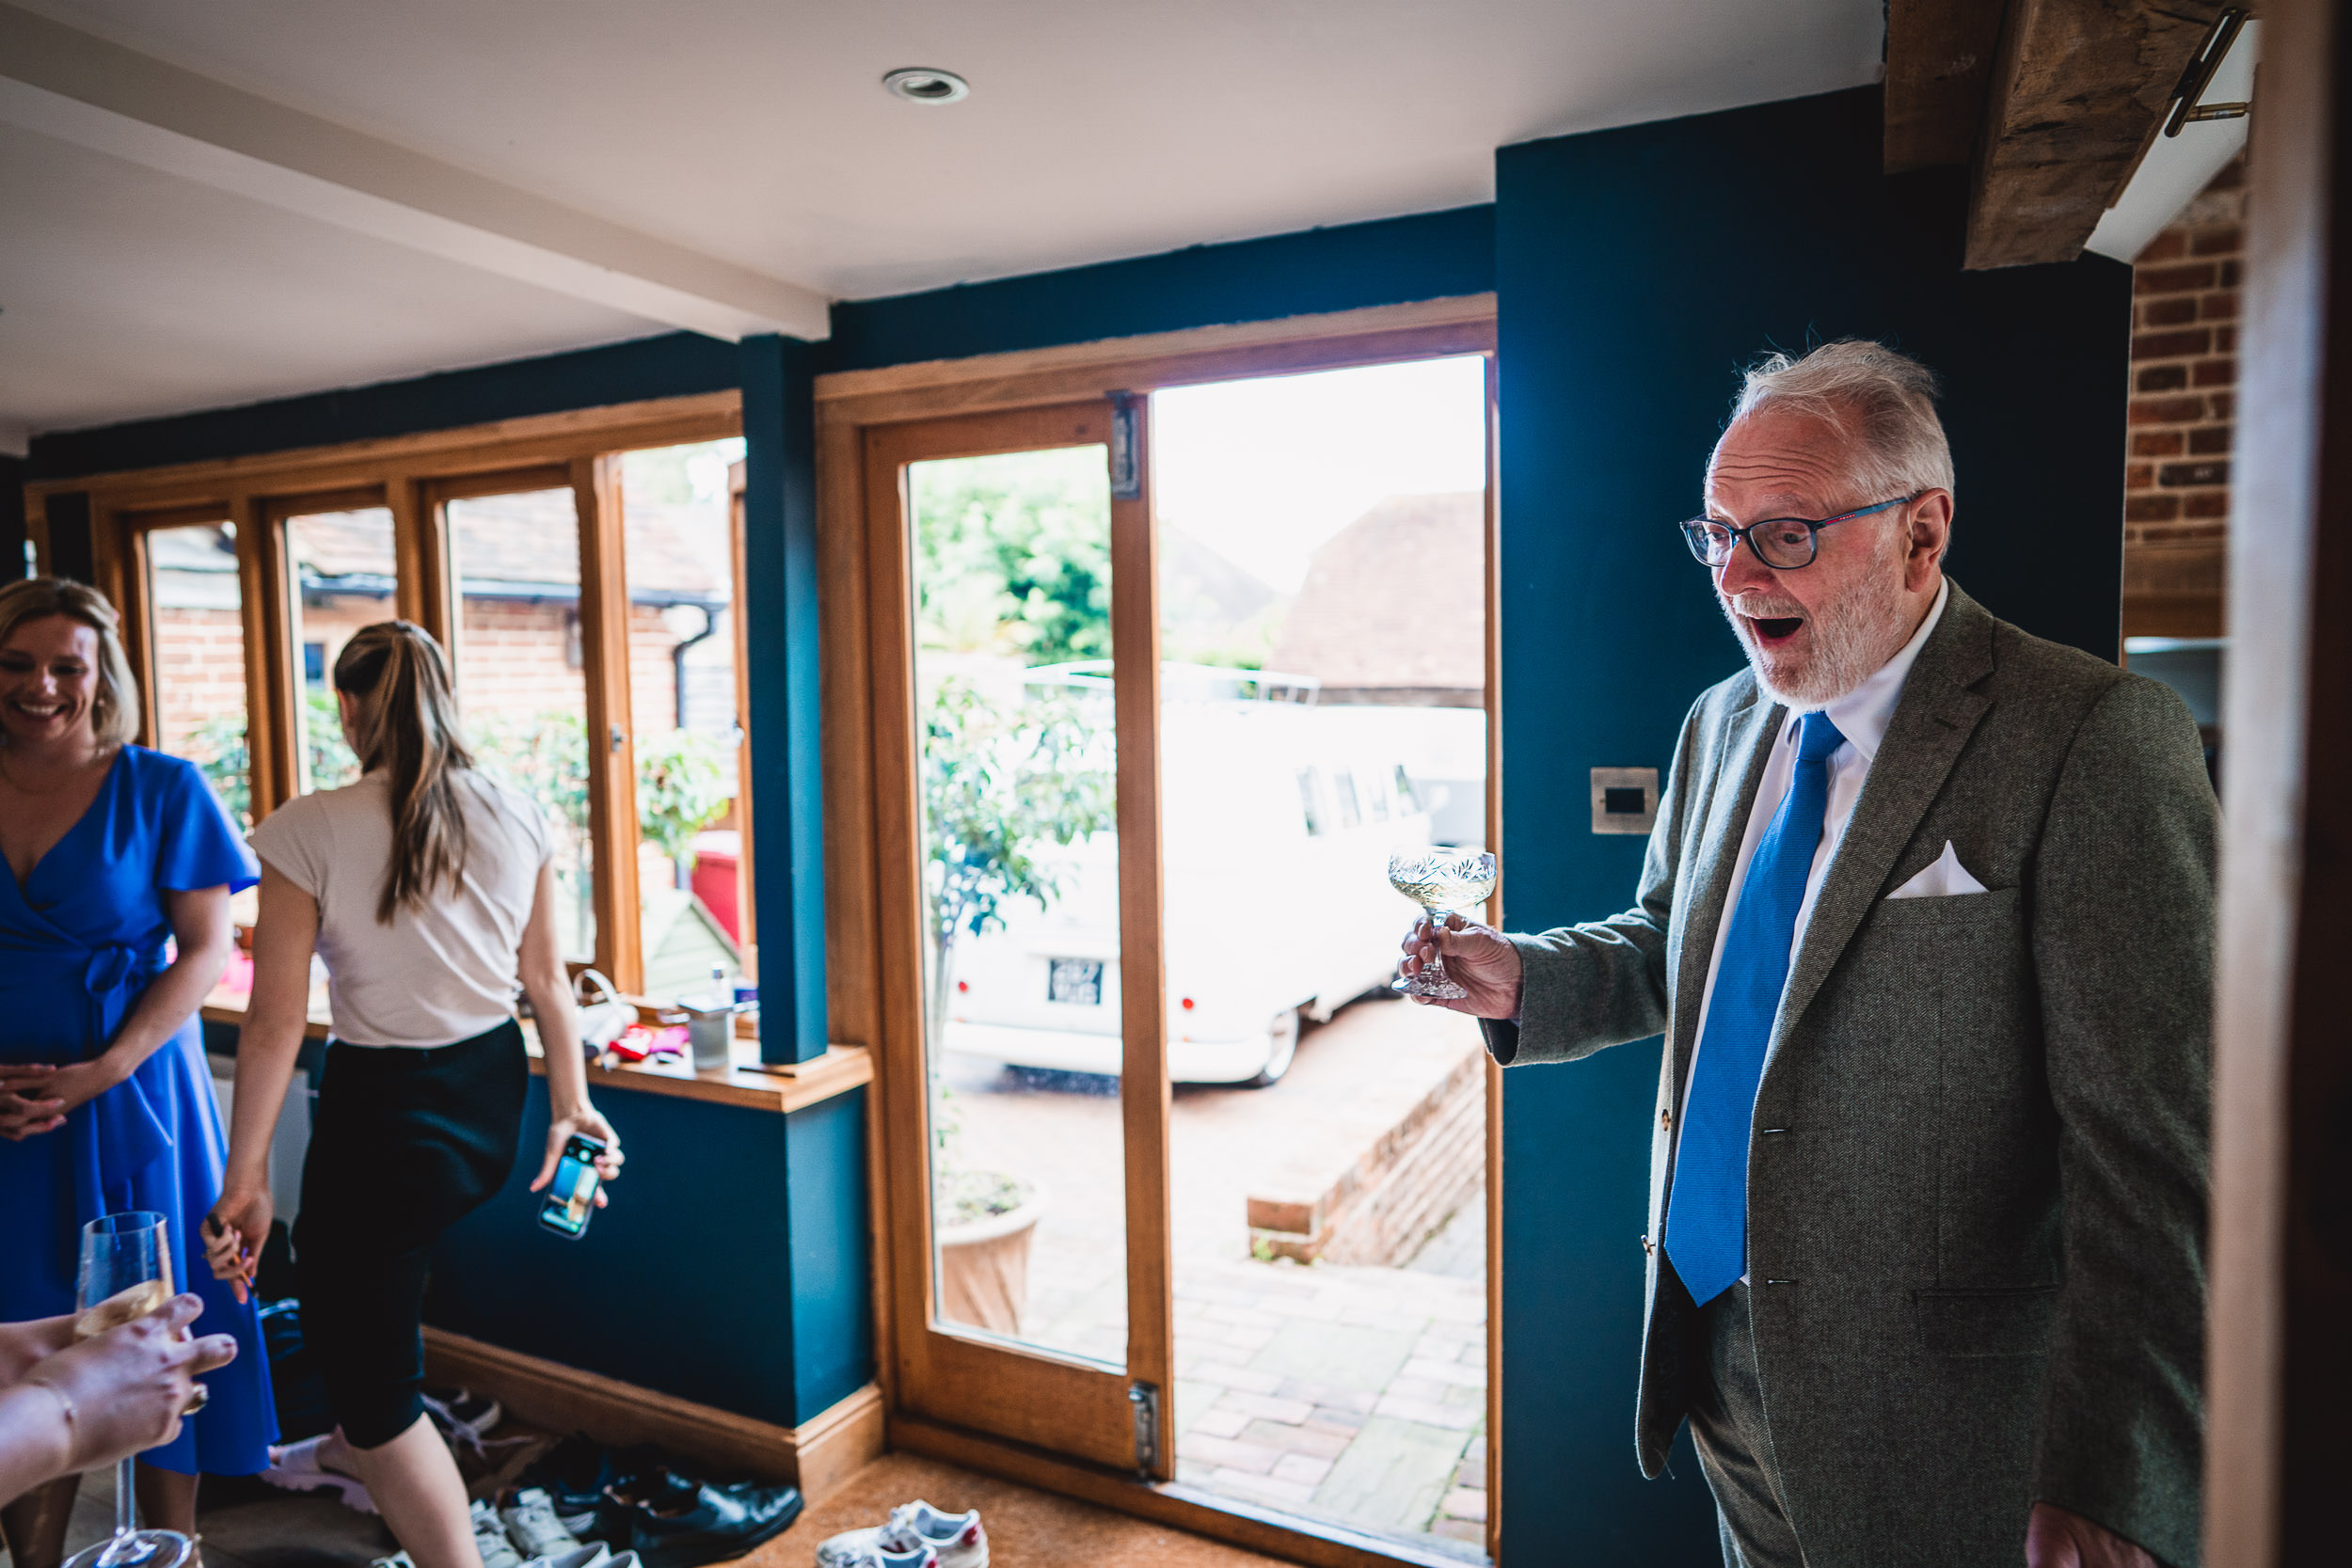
x=426, y=887
x=114, y=924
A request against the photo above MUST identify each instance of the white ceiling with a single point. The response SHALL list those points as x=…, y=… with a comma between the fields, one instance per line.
x=754, y=131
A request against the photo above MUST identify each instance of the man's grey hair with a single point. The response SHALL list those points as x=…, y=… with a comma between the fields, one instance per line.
x=1886, y=400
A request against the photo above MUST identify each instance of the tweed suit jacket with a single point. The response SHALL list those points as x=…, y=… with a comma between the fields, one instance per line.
x=1977, y=1178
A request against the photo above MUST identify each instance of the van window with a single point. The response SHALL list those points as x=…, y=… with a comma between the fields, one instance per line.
x=1404, y=797
x=1309, y=802
x=1344, y=786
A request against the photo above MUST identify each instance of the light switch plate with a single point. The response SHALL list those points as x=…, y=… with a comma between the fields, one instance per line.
x=1625, y=800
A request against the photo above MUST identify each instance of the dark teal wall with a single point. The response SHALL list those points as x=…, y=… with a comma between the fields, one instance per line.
x=781, y=635
x=1428, y=255
x=1637, y=270
x=731, y=1268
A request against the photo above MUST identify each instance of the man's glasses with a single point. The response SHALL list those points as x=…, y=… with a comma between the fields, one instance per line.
x=1783, y=544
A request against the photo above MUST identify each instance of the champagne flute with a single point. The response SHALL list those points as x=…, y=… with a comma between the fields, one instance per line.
x=126, y=1274
x=1439, y=879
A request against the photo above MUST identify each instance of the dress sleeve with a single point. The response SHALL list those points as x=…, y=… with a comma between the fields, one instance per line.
x=200, y=845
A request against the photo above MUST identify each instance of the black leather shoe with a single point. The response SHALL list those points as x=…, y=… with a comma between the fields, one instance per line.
x=697, y=1522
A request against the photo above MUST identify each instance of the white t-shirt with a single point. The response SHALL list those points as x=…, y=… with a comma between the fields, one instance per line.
x=435, y=975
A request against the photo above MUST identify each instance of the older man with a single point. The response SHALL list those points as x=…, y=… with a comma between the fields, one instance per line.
x=1927, y=920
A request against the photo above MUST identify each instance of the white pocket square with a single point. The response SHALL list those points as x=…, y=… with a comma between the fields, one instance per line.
x=1943, y=879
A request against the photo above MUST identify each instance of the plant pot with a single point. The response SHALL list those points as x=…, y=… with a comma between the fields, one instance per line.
x=984, y=1267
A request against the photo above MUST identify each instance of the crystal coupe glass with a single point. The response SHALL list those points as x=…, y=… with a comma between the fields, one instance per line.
x=1439, y=879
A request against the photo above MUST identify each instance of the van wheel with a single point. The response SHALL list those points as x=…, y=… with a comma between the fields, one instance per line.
x=1283, y=1031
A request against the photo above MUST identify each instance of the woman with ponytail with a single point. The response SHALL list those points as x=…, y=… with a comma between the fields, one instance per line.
x=427, y=888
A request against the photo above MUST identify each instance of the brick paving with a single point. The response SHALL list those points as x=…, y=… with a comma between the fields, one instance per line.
x=1349, y=1393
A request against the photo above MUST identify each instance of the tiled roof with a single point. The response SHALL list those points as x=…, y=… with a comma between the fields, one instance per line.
x=1395, y=600
x=532, y=538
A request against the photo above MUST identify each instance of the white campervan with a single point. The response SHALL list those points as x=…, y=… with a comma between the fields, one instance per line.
x=1277, y=820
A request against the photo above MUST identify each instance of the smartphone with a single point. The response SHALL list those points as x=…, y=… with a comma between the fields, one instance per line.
x=571, y=1198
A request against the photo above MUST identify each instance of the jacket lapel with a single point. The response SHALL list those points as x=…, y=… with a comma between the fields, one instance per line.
x=1933, y=719
x=1743, y=745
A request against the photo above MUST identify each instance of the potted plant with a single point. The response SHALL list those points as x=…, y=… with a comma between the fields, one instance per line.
x=1001, y=787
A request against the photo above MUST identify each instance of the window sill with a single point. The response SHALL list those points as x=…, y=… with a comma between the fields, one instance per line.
x=746, y=1081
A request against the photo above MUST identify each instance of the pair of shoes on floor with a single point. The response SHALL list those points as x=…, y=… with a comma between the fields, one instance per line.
x=632, y=1498
x=295, y=1467
x=526, y=1534
x=463, y=1416
x=674, y=1521
x=594, y=1554
x=916, y=1536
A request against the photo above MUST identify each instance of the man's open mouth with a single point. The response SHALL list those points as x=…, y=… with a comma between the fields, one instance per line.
x=1776, y=628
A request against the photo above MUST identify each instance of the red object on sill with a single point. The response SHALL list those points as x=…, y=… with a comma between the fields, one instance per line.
x=963, y=985
x=718, y=857
x=1187, y=1004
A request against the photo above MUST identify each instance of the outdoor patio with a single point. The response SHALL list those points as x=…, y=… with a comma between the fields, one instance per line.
x=1351, y=1393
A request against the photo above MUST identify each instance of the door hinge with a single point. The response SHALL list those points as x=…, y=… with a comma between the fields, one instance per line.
x=1126, y=424
x=1145, y=1399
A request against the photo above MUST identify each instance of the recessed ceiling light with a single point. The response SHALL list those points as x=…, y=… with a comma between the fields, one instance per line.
x=922, y=85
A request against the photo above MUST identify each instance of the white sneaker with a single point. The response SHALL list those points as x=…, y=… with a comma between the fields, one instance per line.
x=596, y=1554
x=957, y=1538
x=531, y=1524
x=489, y=1539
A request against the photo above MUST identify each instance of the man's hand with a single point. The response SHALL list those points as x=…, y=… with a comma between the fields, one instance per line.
x=2056, y=1537
x=129, y=1386
x=1477, y=958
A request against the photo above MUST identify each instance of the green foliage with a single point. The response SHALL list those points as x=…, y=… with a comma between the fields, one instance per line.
x=999, y=787
x=544, y=756
x=332, y=765
x=1013, y=553
x=681, y=789
x=218, y=750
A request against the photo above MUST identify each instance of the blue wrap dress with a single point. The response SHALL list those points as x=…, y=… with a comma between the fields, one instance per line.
x=80, y=942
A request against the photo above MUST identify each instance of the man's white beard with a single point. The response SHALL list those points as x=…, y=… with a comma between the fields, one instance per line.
x=1852, y=637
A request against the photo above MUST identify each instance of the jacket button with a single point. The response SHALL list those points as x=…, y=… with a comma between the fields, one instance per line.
x=1665, y=1121
x=1649, y=1247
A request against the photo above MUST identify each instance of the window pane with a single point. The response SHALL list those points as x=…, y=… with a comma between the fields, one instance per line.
x=1322, y=588
x=198, y=641
x=1012, y=560
x=679, y=538
x=519, y=674
x=345, y=576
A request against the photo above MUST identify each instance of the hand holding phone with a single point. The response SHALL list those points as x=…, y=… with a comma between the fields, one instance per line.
x=571, y=1198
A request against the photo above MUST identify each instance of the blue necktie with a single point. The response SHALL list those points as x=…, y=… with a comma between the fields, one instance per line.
x=1707, y=1218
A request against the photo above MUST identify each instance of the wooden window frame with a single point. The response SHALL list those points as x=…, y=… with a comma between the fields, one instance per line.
x=413, y=477
x=848, y=406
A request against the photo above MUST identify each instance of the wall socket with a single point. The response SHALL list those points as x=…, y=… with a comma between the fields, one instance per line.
x=1625, y=800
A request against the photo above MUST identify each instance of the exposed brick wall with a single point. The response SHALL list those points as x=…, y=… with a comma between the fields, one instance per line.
x=2183, y=408
x=199, y=673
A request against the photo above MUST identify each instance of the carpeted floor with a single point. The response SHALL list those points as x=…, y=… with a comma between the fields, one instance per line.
x=1027, y=1529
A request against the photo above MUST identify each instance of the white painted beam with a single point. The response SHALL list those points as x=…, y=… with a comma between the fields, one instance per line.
x=67, y=84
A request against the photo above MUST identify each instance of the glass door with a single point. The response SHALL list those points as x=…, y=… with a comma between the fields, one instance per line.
x=1016, y=672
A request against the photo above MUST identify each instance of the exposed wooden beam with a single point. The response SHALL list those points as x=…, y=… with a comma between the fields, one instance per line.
x=68, y=85
x=2078, y=90
x=1939, y=64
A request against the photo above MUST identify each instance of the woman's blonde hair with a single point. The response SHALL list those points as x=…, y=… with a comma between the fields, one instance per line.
x=405, y=723
x=114, y=713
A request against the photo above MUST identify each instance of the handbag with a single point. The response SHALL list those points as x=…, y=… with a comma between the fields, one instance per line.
x=602, y=1013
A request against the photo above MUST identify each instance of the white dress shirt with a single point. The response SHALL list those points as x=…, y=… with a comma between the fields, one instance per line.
x=1861, y=715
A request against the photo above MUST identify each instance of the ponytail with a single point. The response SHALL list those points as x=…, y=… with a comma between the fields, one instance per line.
x=407, y=723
